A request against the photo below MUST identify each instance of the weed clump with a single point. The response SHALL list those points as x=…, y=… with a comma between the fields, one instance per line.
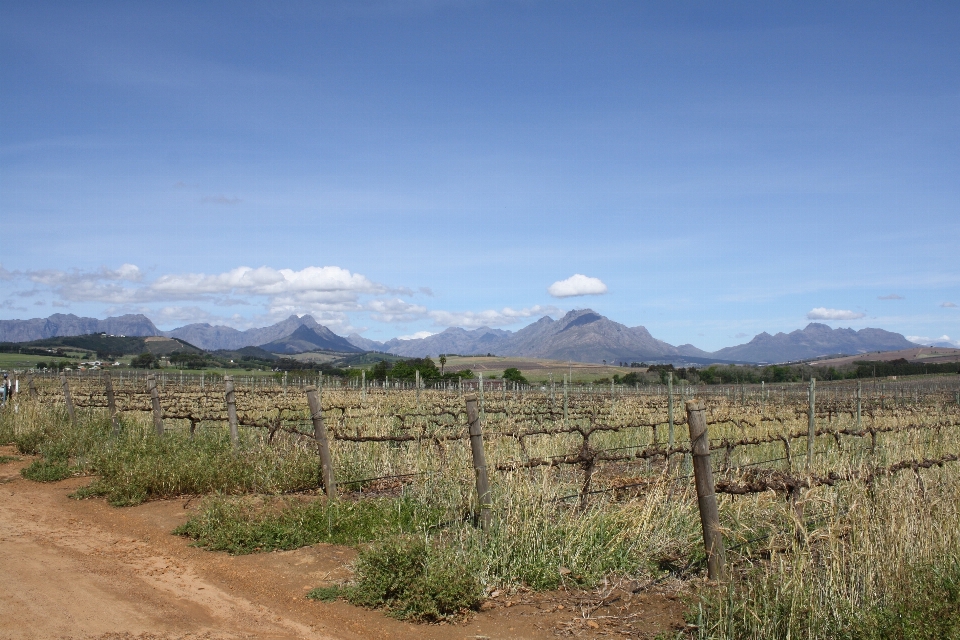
x=414, y=581
x=44, y=470
x=242, y=526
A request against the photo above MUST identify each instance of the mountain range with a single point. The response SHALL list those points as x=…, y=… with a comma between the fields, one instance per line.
x=582, y=335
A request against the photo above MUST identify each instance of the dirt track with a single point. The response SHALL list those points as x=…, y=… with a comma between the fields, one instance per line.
x=83, y=569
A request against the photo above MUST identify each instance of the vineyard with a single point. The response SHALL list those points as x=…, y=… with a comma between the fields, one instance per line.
x=834, y=499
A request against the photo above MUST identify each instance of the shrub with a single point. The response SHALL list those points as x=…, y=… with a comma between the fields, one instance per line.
x=414, y=581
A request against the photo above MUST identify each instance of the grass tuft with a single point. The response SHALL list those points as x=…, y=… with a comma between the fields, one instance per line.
x=242, y=526
x=414, y=581
x=327, y=594
x=44, y=470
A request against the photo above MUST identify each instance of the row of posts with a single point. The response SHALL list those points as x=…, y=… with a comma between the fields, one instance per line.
x=696, y=420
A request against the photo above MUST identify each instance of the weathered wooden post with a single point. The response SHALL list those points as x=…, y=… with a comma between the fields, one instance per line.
x=363, y=384
x=706, y=496
x=320, y=435
x=32, y=387
x=859, y=401
x=231, y=397
x=416, y=377
x=111, y=403
x=670, y=427
x=155, y=401
x=566, y=382
x=479, y=461
x=67, y=400
x=482, y=412
x=812, y=422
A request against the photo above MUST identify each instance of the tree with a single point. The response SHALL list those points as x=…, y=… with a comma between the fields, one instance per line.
x=380, y=370
x=443, y=362
x=514, y=375
x=145, y=360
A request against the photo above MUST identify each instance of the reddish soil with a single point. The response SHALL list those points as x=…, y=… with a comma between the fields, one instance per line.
x=83, y=569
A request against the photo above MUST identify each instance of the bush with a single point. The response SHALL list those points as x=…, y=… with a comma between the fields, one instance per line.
x=414, y=581
x=47, y=470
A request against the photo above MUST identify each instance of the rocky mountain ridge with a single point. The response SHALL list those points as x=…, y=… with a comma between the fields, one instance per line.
x=582, y=335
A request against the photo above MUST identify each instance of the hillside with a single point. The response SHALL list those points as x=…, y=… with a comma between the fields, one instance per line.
x=306, y=339
x=103, y=345
x=60, y=325
x=814, y=341
x=581, y=335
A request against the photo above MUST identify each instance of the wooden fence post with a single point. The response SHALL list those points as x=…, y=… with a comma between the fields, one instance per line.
x=111, y=403
x=859, y=401
x=706, y=496
x=480, y=383
x=363, y=384
x=68, y=401
x=812, y=422
x=320, y=435
x=479, y=461
x=565, y=383
x=155, y=400
x=32, y=387
x=670, y=433
x=231, y=397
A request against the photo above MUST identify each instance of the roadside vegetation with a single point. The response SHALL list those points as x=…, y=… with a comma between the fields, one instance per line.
x=853, y=559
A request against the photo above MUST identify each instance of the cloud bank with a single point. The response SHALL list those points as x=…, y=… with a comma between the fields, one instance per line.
x=577, y=285
x=822, y=313
x=328, y=293
x=924, y=340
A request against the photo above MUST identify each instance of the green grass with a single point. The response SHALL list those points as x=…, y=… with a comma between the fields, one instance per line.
x=138, y=465
x=6, y=459
x=44, y=470
x=327, y=594
x=251, y=525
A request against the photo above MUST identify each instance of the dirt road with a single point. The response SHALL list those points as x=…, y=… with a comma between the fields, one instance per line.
x=83, y=569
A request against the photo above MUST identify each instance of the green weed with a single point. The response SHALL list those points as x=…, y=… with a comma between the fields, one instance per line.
x=243, y=526
x=327, y=594
x=44, y=470
x=414, y=580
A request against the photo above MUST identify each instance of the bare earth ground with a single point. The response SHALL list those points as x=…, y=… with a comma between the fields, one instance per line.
x=83, y=569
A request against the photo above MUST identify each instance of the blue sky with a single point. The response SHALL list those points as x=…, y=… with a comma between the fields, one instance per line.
x=710, y=170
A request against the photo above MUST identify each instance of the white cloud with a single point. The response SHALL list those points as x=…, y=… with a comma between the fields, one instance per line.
x=266, y=281
x=489, y=318
x=822, y=313
x=419, y=335
x=577, y=285
x=99, y=285
x=949, y=305
x=891, y=296
x=924, y=340
x=395, y=310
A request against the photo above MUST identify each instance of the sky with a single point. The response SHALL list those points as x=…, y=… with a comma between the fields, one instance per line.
x=709, y=170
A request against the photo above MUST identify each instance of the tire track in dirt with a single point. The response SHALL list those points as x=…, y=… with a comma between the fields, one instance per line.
x=61, y=576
